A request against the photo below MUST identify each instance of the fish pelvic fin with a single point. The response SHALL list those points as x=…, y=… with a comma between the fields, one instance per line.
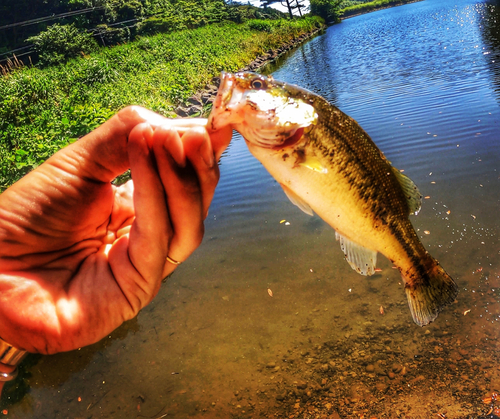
x=297, y=200
x=432, y=293
x=361, y=259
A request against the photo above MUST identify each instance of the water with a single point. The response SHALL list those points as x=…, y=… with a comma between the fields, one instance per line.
x=424, y=81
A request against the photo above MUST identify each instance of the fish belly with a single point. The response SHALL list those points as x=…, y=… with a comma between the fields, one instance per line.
x=362, y=232
x=332, y=198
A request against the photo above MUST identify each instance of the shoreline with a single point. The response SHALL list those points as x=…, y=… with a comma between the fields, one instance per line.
x=197, y=104
x=390, y=5
x=200, y=102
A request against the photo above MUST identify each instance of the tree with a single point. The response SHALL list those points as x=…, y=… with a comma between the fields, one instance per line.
x=59, y=43
x=299, y=4
x=290, y=4
x=327, y=9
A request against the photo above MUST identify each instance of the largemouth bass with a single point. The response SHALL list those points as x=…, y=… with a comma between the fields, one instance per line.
x=328, y=164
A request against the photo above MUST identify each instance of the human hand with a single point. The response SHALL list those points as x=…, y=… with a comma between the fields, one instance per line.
x=79, y=256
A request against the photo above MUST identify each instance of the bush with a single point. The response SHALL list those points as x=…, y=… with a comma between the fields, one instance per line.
x=59, y=43
x=154, y=25
x=130, y=10
x=112, y=36
x=327, y=9
x=260, y=25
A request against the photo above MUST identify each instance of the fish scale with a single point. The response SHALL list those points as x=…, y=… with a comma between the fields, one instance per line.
x=326, y=163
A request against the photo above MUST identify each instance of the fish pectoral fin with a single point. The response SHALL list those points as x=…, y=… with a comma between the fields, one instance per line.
x=361, y=259
x=412, y=194
x=297, y=200
x=313, y=164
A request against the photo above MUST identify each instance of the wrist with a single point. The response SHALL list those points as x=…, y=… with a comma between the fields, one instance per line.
x=10, y=358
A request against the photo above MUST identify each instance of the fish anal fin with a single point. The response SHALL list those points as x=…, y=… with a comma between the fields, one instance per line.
x=297, y=200
x=412, y=194
x=431, y=294
x=361, y=259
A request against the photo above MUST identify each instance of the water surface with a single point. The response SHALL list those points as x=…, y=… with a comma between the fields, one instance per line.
x=424, y=81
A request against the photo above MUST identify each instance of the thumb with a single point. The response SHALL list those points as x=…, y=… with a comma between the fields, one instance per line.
x=220, y=139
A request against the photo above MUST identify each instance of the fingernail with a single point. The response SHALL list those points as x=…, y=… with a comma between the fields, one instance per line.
x=206, y=152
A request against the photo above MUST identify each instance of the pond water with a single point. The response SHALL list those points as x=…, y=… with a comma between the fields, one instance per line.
x=424, y=81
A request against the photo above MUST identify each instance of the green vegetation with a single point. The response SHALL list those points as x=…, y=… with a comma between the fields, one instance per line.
x=44, y=109
x=59, y=43
x=367, y=6
x=111, y=22
x=333, y=10
x=327, y=9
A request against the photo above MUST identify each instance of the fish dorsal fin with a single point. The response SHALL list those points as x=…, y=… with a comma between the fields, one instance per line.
x=412, y=194
x=297, y=200
x=361, y=259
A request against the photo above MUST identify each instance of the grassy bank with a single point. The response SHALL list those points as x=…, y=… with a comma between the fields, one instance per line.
x=45, y=109
x=371, y=6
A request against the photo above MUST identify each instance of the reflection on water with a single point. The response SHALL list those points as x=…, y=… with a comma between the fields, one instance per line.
x=423, y=81
x=490, y=30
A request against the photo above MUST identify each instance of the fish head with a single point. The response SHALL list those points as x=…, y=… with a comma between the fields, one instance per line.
x=266, y=112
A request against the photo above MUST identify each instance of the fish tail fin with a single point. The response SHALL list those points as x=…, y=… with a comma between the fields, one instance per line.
x=430, y=294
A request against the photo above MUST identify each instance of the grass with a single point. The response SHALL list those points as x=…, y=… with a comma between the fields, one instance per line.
x=43, y=110
x=369, y=6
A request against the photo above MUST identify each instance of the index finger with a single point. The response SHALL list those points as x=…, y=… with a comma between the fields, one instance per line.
x=102, y=154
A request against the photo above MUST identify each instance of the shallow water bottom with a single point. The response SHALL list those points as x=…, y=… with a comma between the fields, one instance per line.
x=277, y=327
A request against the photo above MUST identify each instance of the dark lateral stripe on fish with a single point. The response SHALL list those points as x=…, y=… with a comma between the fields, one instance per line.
x=366, y=185
x=359, y=180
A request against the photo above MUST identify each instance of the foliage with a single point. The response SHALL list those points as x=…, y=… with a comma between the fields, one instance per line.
x=185, y=14
x=348, y=3
x=291, y=5
x=242, y=13
x=327, y=9
x=367, y=6
x=260, y=25
x=61, y=42
x=86, y=15
x=112, y=36
x=42, y=110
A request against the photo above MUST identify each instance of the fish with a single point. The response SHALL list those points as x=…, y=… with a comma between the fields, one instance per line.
x=328, y=165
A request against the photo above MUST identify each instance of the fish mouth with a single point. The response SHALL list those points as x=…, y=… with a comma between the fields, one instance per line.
x=225, y=89
x=221, y=114
x=265, y=116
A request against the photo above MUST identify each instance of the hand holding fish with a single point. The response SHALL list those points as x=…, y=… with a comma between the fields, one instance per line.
x=78, y=255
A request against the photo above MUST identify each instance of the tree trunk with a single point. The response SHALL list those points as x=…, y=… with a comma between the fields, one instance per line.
x=289, y=7
x=299, y=7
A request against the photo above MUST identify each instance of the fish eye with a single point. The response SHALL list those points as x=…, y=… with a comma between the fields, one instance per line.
x=258, y=84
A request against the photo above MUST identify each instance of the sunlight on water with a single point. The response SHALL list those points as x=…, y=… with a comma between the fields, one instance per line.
x=267, y=319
